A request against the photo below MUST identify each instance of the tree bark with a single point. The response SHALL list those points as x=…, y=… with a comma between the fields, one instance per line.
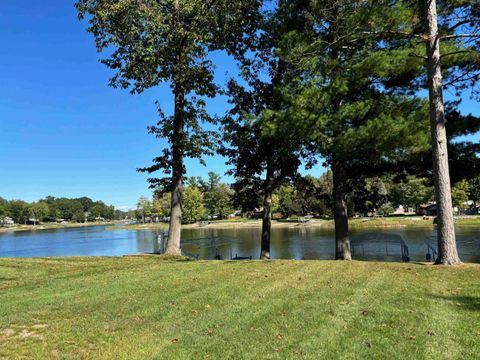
x=447, y=248
x=174, y=230
x=342, y=238
x=267, y=216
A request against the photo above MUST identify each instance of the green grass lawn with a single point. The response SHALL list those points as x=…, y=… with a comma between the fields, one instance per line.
x=149, y=308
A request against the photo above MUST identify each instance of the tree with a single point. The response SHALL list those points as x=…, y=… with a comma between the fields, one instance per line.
x=67, y=208
x=386, y=209
x=449, y=59
x=86, y=202
x=289, y=201
x=474, y=191
x=460, y=194
x=18, y=210
x=161, y=205
x=167, y=41
x=218, y=201
x=212, y=182
x=355, y=124
x=369, y=194
x=316, y=194
x=412, y=192
x=144, y=208
x=39, y=211
x=217, y=196
x=261, y=146
x=3, y=209
x=447, y=247
x=97, y=210
x=193, y=208
x=79, y=216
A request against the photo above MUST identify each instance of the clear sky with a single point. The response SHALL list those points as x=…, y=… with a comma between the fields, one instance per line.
x=63, y=131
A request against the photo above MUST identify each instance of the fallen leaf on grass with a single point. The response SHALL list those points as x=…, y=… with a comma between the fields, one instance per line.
x=209, y=332
x=280, y=337
x=8, y=332
x=174, y=341
x=26, y=334
x=39, y=326
x=412, y=338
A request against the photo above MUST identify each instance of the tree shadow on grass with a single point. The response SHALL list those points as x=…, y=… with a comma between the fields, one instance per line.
x=468, y=302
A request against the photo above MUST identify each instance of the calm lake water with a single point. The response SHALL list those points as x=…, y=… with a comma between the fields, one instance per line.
x=301, y=242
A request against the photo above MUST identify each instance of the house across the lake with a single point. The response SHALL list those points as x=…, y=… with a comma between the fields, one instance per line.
x=6, y=221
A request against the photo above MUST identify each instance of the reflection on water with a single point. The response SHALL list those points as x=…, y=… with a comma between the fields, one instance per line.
x=301, y=242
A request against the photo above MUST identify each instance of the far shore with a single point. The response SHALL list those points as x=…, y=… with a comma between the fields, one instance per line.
x=48, y=226
x=355, y=223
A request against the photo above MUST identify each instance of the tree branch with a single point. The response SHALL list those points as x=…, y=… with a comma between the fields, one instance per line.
x=457, y=36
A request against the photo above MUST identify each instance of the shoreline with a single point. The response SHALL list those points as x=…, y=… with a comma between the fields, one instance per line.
x=290, y=224
x=355, y=223
x=48, y=226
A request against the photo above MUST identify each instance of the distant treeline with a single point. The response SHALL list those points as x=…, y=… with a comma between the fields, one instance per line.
x=53, y=209
x=307, y=195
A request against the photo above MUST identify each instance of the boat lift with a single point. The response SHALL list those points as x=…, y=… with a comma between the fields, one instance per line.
x=379, y=245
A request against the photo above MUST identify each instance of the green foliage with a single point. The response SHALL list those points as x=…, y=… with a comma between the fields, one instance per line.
x=79, y=216
x=51, y=209
x=168, y=41
x=39, y=210
x=218, y=201
x=18, y=210
x=161, y=205
x=144, y=208
x=192, y=205
x=218, y=197
x=460, y=194
x=339, y=101
x=474, y=189
x=289, y=201
x=262, y=147
x=412, y=192
x=386, y=209
x=3, y=208
x=369, y=195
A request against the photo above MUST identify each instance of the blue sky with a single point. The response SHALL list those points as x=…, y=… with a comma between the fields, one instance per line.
x=63, y=131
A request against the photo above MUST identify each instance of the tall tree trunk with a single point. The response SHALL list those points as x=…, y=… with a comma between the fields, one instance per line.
x=447, y=248
x=174, y=230
x=342, y=238
x=267, y=216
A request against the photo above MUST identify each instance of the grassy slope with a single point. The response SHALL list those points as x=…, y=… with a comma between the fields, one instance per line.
x=145, y=307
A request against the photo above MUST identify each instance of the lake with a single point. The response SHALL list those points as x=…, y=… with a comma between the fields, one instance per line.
x=301, y=242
